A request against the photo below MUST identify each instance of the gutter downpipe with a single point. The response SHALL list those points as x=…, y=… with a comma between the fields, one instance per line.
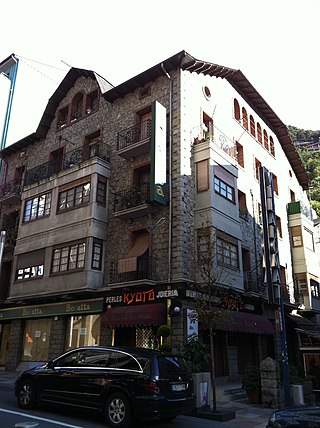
x=170, y=175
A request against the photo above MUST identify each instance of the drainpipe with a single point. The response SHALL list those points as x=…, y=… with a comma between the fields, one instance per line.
x=170, y=175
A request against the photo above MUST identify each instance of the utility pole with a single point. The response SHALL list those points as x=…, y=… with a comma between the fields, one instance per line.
x=272, y=268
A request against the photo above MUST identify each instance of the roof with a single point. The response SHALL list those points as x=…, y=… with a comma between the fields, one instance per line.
x=184, y=61
x=237, y=80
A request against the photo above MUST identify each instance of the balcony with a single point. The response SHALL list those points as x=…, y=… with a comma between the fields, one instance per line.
x=71, y=159
x=135, y=141
x=132, y=202
x=145, y=272
x=299, y=208
x=10, y=192
x=249, y=284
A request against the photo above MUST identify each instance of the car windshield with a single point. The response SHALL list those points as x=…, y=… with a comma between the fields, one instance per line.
x=172, y=365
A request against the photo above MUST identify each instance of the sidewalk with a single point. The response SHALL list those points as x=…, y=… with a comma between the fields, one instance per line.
x=246, y=415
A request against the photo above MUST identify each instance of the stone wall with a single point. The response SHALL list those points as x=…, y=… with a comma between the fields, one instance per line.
x=271, y=395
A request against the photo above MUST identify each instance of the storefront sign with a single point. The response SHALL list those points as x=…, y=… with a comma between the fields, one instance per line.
x=67, y=308
x=150, y=295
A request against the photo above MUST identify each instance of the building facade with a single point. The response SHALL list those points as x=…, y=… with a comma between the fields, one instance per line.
x=107, y=205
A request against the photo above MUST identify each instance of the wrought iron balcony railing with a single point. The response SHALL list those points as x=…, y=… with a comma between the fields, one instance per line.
x=145, y=271
x=251, y=284
x=10, y=189
x=68, y=160
x=134, y=134
x=132, y=197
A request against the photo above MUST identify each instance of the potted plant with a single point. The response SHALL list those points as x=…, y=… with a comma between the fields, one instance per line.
x=251, y=382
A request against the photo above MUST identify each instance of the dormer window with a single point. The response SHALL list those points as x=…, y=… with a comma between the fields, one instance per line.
x=92, y=102
x=77, y=107
x=63, y=117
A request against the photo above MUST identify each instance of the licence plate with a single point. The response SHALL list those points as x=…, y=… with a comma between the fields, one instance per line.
x=178, y=387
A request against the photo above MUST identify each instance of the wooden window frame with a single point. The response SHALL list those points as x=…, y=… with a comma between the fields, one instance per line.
x=62, y=258
x=224, y=189
x=35, y=204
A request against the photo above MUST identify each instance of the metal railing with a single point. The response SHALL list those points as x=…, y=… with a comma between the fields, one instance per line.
x=134, y=134
x=11, y=188
x=132, y=197
x=68, y=160
x=145, y=270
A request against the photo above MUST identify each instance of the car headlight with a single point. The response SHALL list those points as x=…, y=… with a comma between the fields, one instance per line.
x=272, y=419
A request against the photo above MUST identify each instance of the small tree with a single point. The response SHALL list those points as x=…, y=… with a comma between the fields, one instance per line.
x=211, y=292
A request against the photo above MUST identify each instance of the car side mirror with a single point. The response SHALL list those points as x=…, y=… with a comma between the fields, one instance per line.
x=50, y=365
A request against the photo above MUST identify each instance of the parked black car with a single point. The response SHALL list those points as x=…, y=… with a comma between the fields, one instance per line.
x=307, y=416
x=126, y=384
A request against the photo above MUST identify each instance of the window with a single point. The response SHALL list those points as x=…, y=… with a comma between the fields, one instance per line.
x=224, y=189
x=92, y=100
x=37, y=207
x=243, y=211
x=236, y=109
x=271, y=146
x=259, y=132
x=245, y=118
x=257, y=166
x=68, y=258
x=101, y=197
x=278, y=225
x=275, y=184
x=203, y=244
x=296, y=236
x=74, y=197
x=208, y=128
x=227, y=252
x=252, y=126
x=29, y=272
x=265, y=139
x=292, y=196
x=30, y=265
x=314, y=286
x=77, y=107
x=63, y=116
x=97, y=254
x=36, y=340
x=202, y=175
x=145, y=92
x=308, y=239
x=240, y=157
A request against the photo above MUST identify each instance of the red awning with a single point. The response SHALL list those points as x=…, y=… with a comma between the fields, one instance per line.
x=243, y=322
x=124, y=316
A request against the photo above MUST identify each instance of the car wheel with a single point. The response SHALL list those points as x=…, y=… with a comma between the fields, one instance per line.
x=26, y=394
x=118, y=411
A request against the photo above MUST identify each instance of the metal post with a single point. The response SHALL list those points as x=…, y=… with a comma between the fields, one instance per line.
x=272, y=267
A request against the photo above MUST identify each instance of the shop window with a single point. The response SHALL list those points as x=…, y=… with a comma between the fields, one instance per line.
x=36, y=339
x=259, y=133
x=224, y=189
x=257, y=166
x=252, y=126
x=265, y=139
x=68, y=258
x=97, y=254
x=271, y=146
x=240, y=156
x=245, y=118
x=243, y=210
x=202, y=175
x=30, y=265
x=296, y=236
x=77, y=107
x=92, y=101
x=236, y=108
x=278, y=225
x=101, y=197
x=227, y=251
x=63, y=117
x=82, y=331
x=37, y=207
x=74, y=197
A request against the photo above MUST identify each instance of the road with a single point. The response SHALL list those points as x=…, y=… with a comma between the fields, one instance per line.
x=48, y=417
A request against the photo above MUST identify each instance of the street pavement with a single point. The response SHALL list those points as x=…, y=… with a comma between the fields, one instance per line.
x=246, y=415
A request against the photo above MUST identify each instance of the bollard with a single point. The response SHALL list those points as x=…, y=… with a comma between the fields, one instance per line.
x=26, y=425
x=297, y=393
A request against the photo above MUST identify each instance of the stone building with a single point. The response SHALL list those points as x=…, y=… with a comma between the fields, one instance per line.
x=107, y=204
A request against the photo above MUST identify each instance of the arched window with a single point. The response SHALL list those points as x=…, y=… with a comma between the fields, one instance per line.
x=265, y=139
x=236, y=109
x=252, y=126
x=272, y=146
x=77, y=106
x=259, y=132
x=244, y=118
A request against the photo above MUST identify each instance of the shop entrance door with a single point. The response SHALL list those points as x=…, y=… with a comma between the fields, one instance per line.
x=4, y=343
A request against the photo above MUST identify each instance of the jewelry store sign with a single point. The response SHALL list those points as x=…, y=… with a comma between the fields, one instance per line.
x=127, y=298
x=67, y=308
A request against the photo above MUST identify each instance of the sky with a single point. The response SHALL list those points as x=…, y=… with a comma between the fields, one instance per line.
x=275, y=43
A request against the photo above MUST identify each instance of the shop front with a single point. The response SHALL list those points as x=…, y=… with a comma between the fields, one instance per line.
x=41, y=332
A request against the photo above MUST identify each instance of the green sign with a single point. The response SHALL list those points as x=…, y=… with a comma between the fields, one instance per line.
x=76, y=307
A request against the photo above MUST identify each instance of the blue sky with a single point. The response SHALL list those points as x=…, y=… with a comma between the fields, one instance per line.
x=275, y=43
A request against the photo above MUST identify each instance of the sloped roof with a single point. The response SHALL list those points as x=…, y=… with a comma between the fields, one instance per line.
x=237, y=80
